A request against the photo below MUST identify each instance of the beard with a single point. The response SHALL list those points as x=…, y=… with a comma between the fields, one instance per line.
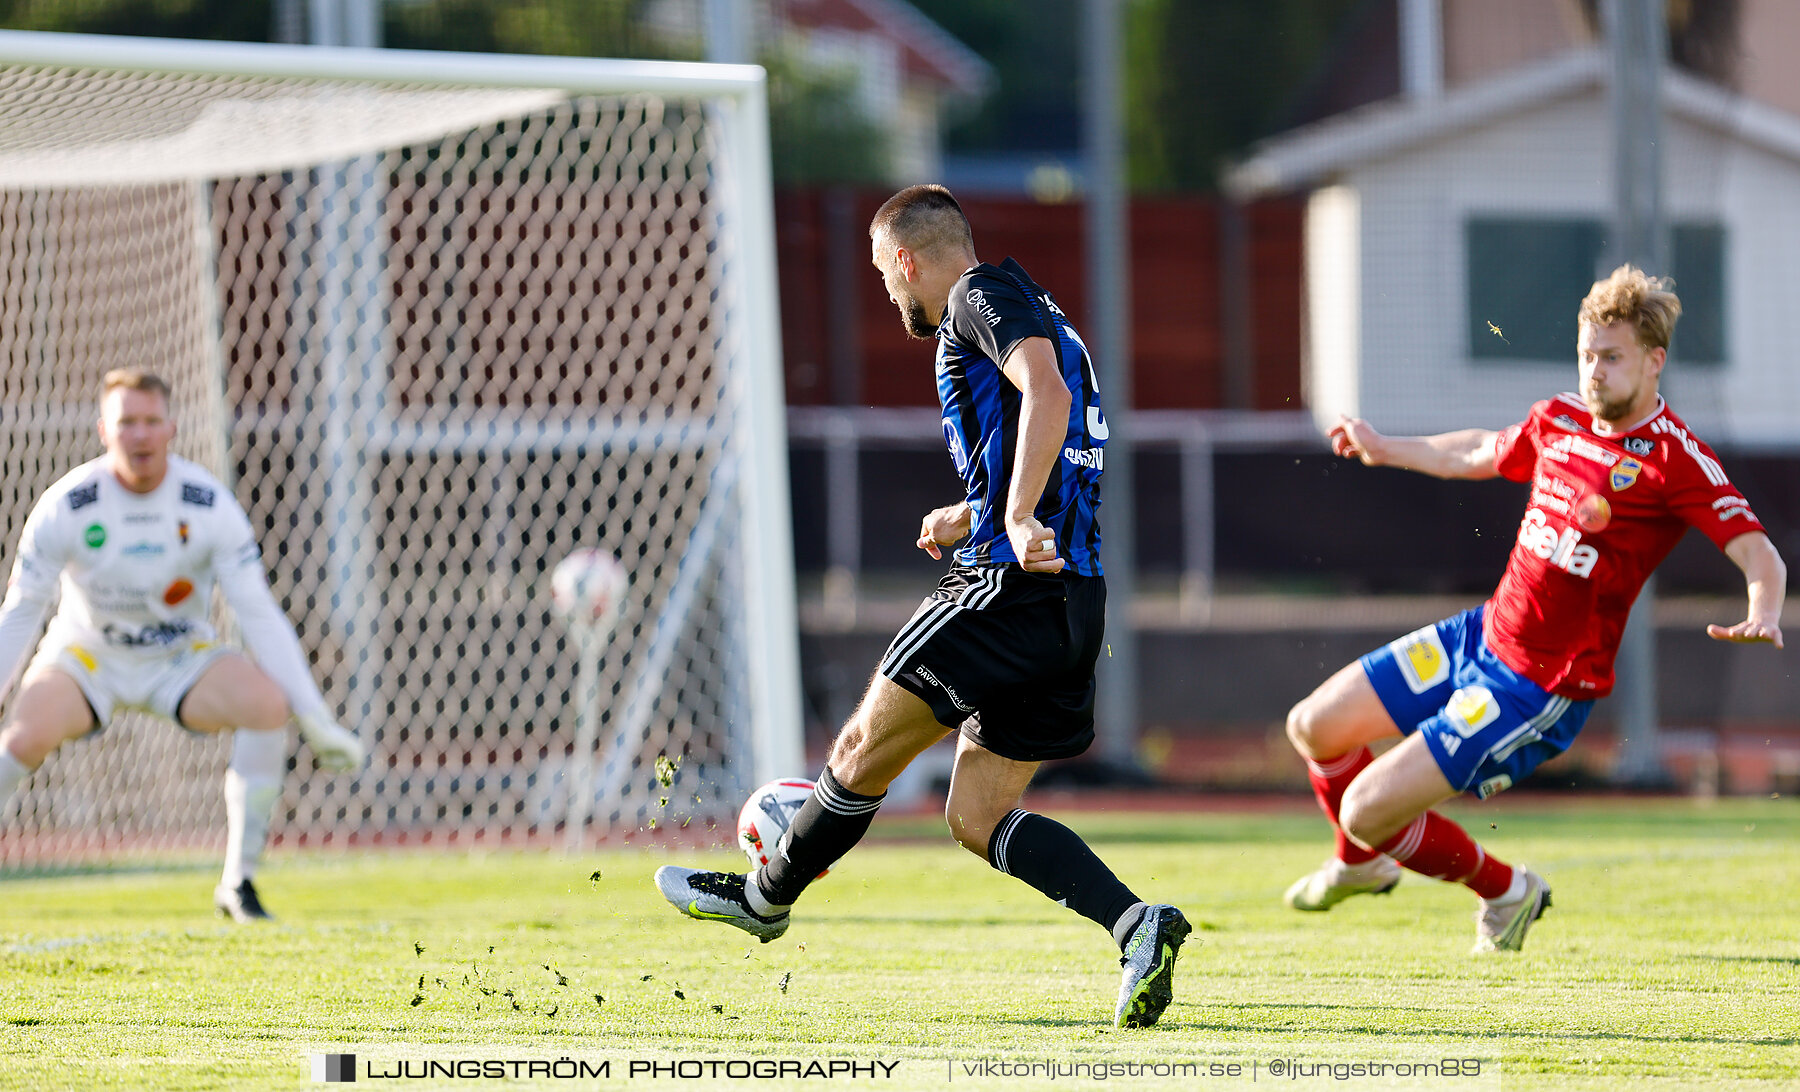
x=1606, y=409
x=917, y=323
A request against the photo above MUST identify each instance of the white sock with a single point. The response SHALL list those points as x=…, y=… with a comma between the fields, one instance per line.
x=12, y=774
x=758, y=901
x=1128, y=923
x=1514, y=892
x=252, y=787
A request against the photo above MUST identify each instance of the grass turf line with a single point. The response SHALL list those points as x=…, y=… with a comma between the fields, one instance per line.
x=1671, y=958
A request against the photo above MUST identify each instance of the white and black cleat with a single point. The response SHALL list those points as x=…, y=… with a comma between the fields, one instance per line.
x=1334, y=881
x=717, y=896
x=1501, y=927
x=1148, y=983
x=240, y=903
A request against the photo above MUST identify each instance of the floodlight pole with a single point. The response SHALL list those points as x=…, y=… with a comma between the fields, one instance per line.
x=347, y=325
x=1638, y=37
x=728, y=32
x=1109, y=312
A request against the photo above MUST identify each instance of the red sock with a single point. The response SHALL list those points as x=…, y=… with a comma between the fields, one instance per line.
x=1434, y=846
x=1330, y=777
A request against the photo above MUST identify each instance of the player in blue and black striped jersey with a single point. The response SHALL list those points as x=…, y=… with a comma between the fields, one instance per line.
x=1004, y=649
x=993, y=310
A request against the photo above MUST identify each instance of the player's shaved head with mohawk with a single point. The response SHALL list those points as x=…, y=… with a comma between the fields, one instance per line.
x=926, y=219
x=920, y=241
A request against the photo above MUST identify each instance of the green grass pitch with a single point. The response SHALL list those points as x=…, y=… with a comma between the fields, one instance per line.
x=1671, y=958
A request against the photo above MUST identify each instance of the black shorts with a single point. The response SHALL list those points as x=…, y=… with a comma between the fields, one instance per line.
x=1008, y=656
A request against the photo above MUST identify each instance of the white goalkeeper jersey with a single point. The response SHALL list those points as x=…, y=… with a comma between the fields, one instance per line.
x=137, y=572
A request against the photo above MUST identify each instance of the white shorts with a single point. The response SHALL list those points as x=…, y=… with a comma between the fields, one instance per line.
x=111, y=678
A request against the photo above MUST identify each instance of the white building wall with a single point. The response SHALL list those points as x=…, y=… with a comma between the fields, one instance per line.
x=1756, y=400
x=1411, y=370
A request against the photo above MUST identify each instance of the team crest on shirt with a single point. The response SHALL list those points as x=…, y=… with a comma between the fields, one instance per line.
x=182, y=530
x=1625, y=475
x=1422, y=659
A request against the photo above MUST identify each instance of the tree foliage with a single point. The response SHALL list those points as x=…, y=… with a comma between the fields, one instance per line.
x=1205, y=80
x=572, y=28
x=219, y=20
x=818, y=134
x=1035, y=50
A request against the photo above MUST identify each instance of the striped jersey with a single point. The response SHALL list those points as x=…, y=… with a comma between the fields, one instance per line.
x=1604, y=512
x=990, y=311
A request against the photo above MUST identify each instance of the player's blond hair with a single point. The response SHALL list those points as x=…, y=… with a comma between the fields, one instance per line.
x=1628, y=294
x=924, y=218
x=134, y=379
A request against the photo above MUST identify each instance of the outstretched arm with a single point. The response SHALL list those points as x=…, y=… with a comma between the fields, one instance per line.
x=30, y=591
x=270, y=637
x=1765, y=579
x=20, y=617
x=1465, y=454
x=268, y=634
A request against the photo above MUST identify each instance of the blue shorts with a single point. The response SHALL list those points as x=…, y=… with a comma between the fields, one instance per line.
x=1487, y=725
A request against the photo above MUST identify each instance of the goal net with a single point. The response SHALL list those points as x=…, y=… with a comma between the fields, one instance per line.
x=439, y=320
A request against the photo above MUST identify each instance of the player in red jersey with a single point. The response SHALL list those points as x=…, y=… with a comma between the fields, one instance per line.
x=1483, y=697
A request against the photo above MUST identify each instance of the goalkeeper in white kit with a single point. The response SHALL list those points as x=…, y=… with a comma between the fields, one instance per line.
x=137, y=538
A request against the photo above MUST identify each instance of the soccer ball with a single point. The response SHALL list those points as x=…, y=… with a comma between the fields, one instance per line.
x=587, y=588
x=767, y=815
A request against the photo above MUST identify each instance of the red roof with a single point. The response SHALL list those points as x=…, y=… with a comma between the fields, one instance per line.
x=927, y=50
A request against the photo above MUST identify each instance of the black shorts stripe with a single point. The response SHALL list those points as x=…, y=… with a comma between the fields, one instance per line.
x=909, y=641
x=1008, y=660
x=931, y=607
x=925, y=621
x=976, y=594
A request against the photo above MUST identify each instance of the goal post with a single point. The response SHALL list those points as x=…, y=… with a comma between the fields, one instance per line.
x=440, y=319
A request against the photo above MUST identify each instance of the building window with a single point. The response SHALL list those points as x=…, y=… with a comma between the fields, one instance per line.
x=1699, y=271
x=1527, y=277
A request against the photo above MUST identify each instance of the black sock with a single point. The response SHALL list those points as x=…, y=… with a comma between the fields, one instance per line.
x=1054, y=859
x=832, y=820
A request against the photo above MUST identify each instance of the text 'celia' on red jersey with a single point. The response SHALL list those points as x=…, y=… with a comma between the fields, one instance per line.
x=1604, y=512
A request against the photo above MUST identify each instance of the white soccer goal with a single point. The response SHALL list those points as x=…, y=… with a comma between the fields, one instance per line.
x=440, y=319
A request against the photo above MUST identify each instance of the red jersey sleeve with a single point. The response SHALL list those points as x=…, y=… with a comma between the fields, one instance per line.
x=1515, y=449
x=1702, y=496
